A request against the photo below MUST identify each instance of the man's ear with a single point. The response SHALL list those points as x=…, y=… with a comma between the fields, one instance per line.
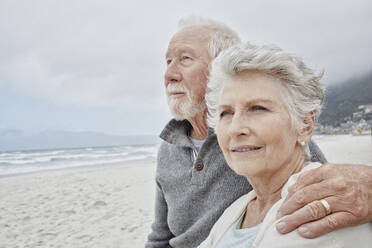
x=306, y=133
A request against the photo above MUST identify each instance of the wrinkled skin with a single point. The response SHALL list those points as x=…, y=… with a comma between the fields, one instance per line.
x=346, y=187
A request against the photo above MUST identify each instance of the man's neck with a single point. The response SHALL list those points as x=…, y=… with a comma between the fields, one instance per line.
x=199, y=126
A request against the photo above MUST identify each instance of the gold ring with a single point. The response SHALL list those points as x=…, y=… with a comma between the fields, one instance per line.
x=326, y=206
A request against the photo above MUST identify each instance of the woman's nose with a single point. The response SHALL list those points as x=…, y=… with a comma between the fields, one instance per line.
x=239, y=125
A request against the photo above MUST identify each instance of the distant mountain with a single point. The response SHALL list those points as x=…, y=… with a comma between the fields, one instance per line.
x=10, y=132
x=343, y=99
x=15, y=140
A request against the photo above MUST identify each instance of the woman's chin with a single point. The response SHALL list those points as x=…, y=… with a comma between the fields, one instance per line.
x=248, y=169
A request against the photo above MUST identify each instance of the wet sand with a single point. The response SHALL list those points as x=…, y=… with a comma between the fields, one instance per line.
x=106, y=206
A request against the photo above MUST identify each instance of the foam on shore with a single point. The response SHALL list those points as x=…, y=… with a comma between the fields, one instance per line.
x=106, y=206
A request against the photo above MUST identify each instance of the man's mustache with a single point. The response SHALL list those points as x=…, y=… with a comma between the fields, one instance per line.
x=173, y=88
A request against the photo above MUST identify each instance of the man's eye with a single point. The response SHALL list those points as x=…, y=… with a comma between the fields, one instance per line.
x=185, y=57
x=257, y=108
x=169, y=61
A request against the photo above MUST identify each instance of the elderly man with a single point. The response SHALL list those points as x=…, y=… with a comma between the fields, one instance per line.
x=193, y=182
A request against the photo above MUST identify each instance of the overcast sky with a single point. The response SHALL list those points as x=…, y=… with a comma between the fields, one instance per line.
x=98, y=65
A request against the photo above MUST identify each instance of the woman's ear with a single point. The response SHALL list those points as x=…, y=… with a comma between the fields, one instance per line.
x=306, y=133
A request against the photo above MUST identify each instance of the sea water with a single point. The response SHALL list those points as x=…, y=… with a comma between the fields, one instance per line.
x=20, y=162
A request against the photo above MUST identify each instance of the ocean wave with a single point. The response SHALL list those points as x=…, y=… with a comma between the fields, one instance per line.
x=10, y=170
x=24, y=162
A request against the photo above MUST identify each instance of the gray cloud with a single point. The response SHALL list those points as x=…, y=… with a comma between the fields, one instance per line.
x=111, y=53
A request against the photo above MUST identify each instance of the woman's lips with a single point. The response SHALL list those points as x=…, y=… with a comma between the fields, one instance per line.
x=245, y=149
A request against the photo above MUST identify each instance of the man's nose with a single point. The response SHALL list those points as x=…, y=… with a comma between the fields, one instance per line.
x=172, y=74
x=239, y=125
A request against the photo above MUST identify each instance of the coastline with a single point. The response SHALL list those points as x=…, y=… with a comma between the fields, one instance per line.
x=83, y=167
x=106, y=206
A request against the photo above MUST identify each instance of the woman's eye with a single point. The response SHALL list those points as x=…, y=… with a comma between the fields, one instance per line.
x=224, y=113
x=257, y=108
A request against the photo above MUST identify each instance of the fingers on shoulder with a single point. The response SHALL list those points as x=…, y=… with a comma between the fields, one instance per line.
x=327, y=224
x=312, y=211
x=313, y=176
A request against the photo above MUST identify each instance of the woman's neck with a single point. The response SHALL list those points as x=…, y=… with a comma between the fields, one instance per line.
x=268, y=189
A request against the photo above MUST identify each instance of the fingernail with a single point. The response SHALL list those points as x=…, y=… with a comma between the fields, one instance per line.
x=281, y=226
x=279, y=215
x=304, y=230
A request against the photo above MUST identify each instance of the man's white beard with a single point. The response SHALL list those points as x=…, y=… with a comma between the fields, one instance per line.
x=184, y=107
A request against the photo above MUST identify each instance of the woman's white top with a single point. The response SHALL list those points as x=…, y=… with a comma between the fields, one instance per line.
x=268, y=237
x=237, y=237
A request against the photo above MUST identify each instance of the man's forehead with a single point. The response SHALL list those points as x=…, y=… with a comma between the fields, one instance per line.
x=199, y=32
x=178, y=49
x=187, y=38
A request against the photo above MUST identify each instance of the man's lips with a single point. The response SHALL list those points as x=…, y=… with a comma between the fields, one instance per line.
x=246, y=148
x=176, y=93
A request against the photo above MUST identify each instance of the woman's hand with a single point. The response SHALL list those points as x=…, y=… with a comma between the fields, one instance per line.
x=346, y=187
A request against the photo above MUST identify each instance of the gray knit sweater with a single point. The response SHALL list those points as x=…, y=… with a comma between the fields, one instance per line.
x=192, y=193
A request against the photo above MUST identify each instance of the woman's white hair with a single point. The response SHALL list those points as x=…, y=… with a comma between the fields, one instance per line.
x=221, y=36
x=303, y=96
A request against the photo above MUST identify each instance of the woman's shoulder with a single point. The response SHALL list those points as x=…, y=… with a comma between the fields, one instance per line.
x=233, y=212
x=358, y=236
x=292, y=179
x=228, y=217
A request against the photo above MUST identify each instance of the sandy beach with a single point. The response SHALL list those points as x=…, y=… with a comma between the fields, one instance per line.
x=90, y=207
x=346, y=148
x=105, y=206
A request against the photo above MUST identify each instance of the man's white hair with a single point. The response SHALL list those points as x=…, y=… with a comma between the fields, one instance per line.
x=303, y=96
x=221, y=36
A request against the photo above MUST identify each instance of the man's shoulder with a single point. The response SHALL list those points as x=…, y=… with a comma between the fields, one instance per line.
x=170, y=153
x=164, y=147
x=175, y=132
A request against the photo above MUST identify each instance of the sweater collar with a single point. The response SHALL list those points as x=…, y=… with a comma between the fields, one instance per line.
x=177, y=133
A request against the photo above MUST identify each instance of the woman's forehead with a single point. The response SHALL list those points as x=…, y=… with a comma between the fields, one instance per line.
x=252, y=87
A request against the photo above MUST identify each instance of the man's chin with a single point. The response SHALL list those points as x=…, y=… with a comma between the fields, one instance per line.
x=179, y=116
x=184, y=115
x=177, y=110
x=185, y=111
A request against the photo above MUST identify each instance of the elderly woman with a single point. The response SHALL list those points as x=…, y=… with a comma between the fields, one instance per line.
x=263, y=103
